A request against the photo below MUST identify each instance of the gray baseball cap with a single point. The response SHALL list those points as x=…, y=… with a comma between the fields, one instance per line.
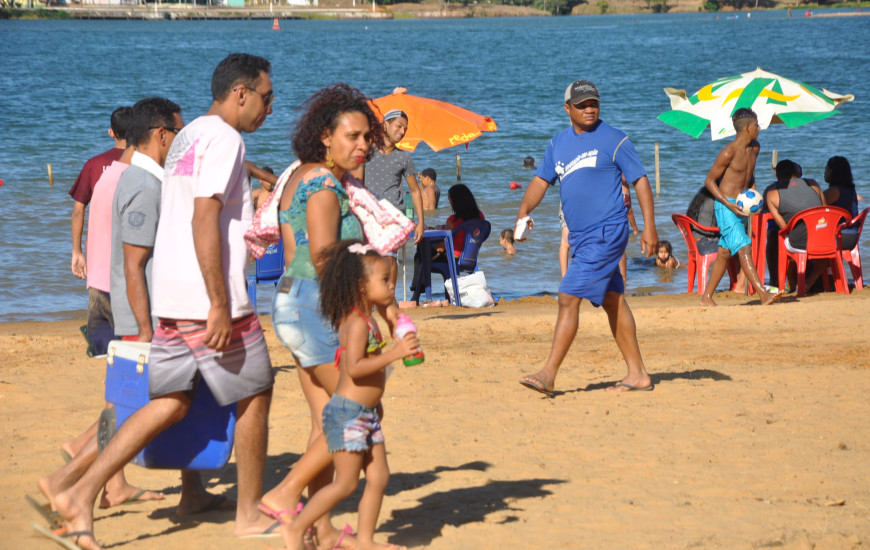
x=581, y=90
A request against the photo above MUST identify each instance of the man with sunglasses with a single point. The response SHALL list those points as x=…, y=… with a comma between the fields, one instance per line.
x=588, y=160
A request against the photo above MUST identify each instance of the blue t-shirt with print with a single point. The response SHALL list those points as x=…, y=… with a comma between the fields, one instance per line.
x=589, y=168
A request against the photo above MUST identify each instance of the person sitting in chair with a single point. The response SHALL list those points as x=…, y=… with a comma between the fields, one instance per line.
x=784, y=204
x=465, y=208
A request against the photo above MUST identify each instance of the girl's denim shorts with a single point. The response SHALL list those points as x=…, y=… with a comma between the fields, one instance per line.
x=350, y=426
x=298, y=323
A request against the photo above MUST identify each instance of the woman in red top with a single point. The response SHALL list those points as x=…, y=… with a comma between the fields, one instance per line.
x=464, y=208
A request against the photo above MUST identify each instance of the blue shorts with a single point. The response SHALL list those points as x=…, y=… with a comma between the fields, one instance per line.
x=593, y=270
x=299, y=324
x=731, y=226
x=350, y=426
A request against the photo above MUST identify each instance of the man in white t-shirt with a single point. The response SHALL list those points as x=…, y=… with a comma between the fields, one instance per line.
x=208, y=329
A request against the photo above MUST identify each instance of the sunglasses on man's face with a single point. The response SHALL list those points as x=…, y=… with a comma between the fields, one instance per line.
x=168, y=129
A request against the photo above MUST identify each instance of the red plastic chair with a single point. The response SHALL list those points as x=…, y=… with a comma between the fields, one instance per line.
x=853, y=257
x=699, y=264
x=823, y=224
x=759, y=245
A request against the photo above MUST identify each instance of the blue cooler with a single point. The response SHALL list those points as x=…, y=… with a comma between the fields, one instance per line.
x=203, y=440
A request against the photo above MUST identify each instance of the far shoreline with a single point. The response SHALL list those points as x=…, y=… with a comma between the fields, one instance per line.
x=184, y=12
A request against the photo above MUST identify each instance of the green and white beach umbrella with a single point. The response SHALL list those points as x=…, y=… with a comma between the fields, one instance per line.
x=773, y=98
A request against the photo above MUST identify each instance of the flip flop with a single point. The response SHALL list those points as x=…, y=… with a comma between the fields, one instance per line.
x=66, y=456
x=631, y=388
x=106, y=427
x=537, y=385
x=346, y=531
x=269, y=532
x=50, y=516
x=276, y=514
x=62, y=538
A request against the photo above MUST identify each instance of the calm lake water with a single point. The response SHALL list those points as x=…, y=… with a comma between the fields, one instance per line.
x=62, y=79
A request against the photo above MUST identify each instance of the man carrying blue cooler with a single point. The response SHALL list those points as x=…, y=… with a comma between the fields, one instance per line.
x=208, y=330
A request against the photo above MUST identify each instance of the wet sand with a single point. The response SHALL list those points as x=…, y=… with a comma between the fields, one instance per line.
x=756, y=435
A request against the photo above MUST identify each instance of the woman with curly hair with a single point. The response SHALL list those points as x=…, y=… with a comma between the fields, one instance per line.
x=333, y=136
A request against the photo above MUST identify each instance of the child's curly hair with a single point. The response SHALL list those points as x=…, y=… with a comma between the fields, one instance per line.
x=321, y=112
x=343, y=277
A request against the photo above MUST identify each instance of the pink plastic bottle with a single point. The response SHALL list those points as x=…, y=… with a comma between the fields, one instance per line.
x=404, y=325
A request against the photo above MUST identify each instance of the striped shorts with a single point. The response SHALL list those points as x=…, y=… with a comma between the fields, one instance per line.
x=179, y=358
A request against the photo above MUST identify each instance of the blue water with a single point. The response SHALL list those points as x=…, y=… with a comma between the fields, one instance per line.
x=62, y=79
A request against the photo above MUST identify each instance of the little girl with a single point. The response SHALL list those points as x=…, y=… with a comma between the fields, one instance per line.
x=665, y=256
x=355, y=278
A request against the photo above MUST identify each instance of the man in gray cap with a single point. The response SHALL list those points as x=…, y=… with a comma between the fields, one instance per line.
x=384, y=173
x=588, y=160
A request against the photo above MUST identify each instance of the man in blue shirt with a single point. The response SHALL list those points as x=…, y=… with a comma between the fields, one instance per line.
x=588, y=160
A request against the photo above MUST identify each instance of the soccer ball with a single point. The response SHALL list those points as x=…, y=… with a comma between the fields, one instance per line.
x=750, y=202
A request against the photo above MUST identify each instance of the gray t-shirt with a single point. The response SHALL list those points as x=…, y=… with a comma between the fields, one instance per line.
x=135, y=212
x=385, y=173
x=798, y=196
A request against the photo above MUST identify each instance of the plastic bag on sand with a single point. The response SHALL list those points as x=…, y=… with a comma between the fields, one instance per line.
x=473, y=291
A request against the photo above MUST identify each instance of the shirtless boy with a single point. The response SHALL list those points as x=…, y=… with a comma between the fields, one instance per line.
x=733, y=172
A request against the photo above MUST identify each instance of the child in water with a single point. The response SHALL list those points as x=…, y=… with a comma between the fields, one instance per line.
x=354, y=280
x=506, y=240
x=665, y=256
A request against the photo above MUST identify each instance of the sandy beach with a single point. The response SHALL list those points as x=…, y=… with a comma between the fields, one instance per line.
x=756, y=435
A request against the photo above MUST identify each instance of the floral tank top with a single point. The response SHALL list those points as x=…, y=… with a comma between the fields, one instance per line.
x=296, y=216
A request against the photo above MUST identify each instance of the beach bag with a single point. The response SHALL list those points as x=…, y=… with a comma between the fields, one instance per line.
x=385, y=227
x=473, y=291
x=264, y=230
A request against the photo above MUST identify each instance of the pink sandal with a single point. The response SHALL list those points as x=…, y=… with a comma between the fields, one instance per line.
x=276, y=514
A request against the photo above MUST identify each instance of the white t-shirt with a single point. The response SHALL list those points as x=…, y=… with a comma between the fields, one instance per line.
x=205, y=160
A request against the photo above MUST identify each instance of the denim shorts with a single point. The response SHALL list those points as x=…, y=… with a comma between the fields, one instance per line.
x=298, y=323
x=350, y=426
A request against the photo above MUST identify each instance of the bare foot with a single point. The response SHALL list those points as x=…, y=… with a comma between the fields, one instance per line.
x=707, y=301
x=128, y=495
x=539, y=382
x=204, y=502
x=292, y=542
x=771, y=298
x=48, y=490
x=77, y=517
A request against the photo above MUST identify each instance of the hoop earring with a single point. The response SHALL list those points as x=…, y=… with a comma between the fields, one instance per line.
x=329, y=162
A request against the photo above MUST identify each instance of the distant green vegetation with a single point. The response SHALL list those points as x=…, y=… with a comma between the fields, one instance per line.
x=39, y=13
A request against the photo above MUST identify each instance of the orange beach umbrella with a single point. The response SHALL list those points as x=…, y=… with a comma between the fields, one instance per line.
x=437, y=123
